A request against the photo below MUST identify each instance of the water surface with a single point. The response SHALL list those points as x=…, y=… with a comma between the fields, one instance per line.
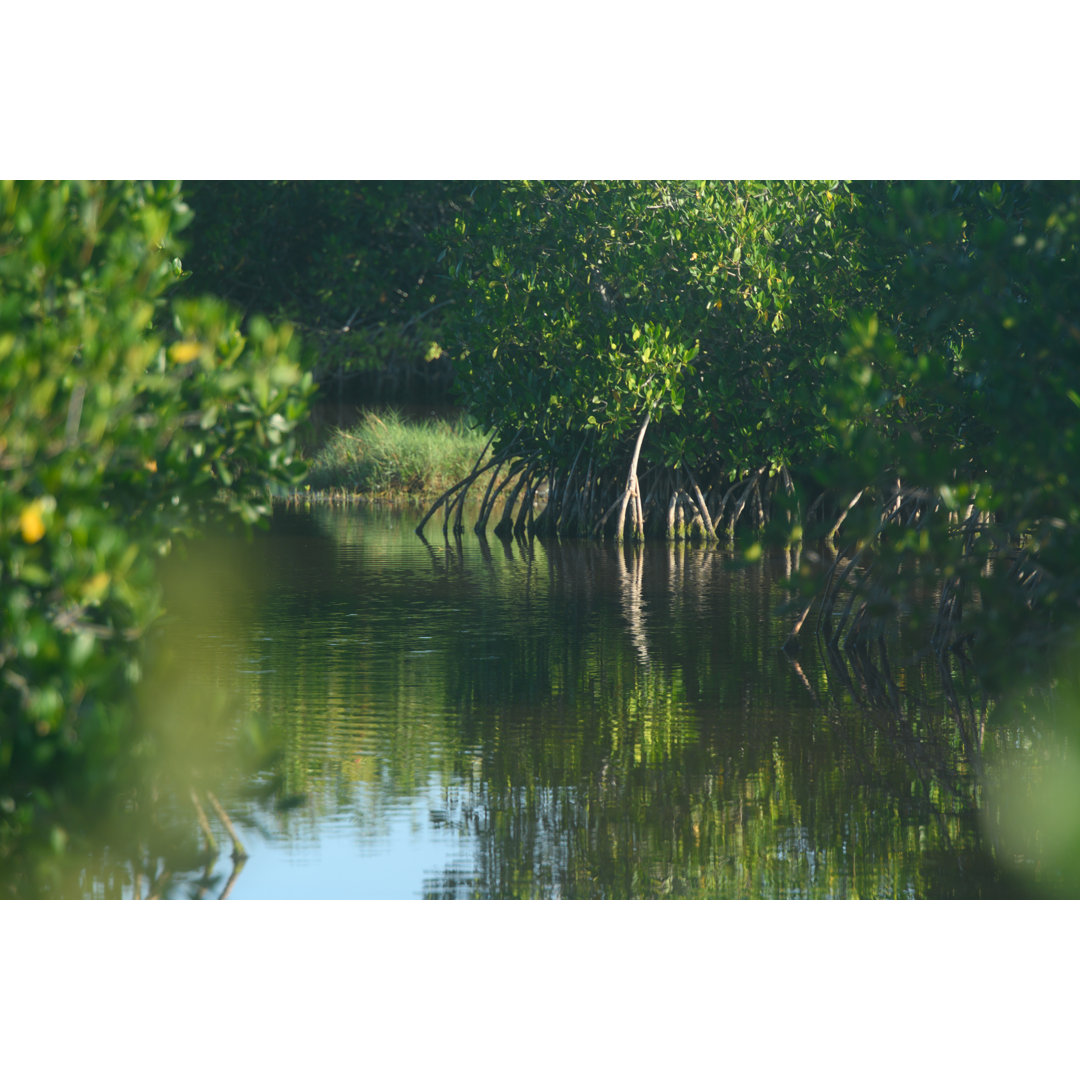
x=565, y=721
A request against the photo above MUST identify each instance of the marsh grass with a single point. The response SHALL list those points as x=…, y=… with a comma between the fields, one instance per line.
x=384, y=455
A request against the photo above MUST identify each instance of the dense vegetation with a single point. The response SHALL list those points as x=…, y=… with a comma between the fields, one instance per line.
x=354, y=266
x=888, y=368
x=127, y=420
x=594, y=314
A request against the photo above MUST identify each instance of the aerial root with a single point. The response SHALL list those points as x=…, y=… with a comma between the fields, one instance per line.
x=458, y=491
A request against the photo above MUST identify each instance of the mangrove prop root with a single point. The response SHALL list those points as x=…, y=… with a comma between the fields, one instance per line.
x=825, y=605
x=830, y=539
x=445, y=497
x=489, y=505
x=526, y=504
x=759, y=507
x=751, y=483
x=157, y=886
x=700, y=499
x=599, y=526
x=440, y=501
x=632, y=491
x=793, y=635
x=232, y=880
x=588, y=496
x=481, y=521
x=567, y=489
x=505, y=526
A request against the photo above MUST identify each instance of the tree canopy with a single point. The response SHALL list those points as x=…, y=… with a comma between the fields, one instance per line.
x=590, y=311
x=353, y=265
x=957, y=406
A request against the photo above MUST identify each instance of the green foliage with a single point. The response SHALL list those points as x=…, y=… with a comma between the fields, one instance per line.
x=587, y=306
x=1032, y=808
x=125, y=421
x=962, y=393
x=905, y=357
x=592, y=304
x=355, y=266
x=790, y=345
x=385, y=455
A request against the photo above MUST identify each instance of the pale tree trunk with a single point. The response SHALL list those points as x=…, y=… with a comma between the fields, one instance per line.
x=633, y=491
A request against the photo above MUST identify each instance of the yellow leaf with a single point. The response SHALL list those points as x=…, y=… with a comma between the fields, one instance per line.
x=33, y=528
x=718, y=304
x=184, y=351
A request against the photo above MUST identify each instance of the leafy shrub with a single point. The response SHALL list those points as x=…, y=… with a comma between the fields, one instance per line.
x=126, y=420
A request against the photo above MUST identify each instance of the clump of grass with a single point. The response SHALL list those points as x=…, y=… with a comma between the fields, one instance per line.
x=385, y=455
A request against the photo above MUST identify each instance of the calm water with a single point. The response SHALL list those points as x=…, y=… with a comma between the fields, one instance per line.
x=393, y=719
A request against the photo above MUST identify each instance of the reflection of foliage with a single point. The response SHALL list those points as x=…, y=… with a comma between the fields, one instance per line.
x=1032, y=807
x=579, y=721
x=890, y=367
x=637, y=787
x=144, y=840
x=508, y=688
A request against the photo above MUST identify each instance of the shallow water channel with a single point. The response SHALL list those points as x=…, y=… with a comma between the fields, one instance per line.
x=515, y=720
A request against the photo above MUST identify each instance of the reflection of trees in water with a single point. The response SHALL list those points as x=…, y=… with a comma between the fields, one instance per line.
x=661, y=757
x=595, y=722
x=145, y=838
x=630, y=592
x=614, y=735
x=606, y=722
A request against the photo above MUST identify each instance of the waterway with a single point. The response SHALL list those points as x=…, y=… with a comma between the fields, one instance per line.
x=382, y=717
